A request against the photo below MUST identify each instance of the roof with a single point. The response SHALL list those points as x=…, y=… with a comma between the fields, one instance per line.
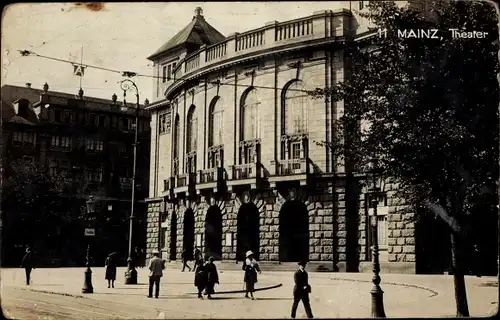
x=198, y=31
x=20, y=120
x=10, y=95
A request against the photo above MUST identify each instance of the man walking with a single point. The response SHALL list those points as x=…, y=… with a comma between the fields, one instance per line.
x=198, y=259
x=301, y=290
x=185, y=260
x=156, y=266
x=28, y=263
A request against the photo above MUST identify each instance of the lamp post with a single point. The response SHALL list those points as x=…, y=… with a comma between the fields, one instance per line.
x=375, y=193
x=127, y=85
x=87, y=285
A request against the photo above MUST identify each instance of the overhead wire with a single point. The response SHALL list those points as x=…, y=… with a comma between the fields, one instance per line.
x=130, y=74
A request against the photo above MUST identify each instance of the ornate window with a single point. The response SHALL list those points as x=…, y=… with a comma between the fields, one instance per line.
x=177, y=131
x=215, y=133
x=191, y=139
x=250, y=129
x=294, y=109
x=294, y=129
x=215, y=123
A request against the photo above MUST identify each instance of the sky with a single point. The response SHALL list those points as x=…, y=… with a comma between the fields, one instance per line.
x=119, y=36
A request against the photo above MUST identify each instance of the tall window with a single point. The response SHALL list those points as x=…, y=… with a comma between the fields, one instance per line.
x=192, y=126
x=249, y=117
x=215, y=122
x=177, y=131
x=294, y=115
x=164, y=77
x=192, y=132
x=60, y=142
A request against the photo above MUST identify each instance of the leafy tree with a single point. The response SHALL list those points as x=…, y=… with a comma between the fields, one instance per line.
x=426, y=110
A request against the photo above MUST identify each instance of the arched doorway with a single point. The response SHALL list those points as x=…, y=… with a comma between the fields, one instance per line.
x=294, y=232
x=213, y=233
x=173, y=237
x=248, y=231
x=188, y=237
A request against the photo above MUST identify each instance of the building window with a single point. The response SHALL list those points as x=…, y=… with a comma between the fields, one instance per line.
x=114, y=122
x=215, y=122
x=94, y=174
x=177, y=131
x=19, y=138
x=92, y=119
x=60, y=142
x=68, y=117
x=192, y=127
x=294, y=111
x=361, y=5
x=382, y=224
x=57, y=115
x=125, y=124
x=296, y=148
x=58, y=167
x=164, y=77
x=169, y=72
x=102, y=121
x=94, y=145
x=249, y=123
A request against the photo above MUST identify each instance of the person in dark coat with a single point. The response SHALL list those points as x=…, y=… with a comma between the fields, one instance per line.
x=251, y=267
x=200, y=279
x=185, y=259
x=110, y=264
x=198, y=258
x=212, y=277
x=301, y=290
x=28, y=264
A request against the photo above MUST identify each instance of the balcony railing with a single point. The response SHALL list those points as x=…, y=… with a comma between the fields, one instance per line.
x=185, y=180
x=210, y=175
x=320, y=25
x=245, y=171
x=292, y=166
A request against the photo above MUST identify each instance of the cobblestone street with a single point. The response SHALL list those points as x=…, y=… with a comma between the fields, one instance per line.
x=333, y=295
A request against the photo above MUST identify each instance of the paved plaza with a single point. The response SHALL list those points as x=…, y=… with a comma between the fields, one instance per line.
x=333, y=294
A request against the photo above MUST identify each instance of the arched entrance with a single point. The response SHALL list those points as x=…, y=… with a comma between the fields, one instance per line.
x=173, y=237
x=248, y=231
x=188, y=237
x=294, y=232
x=213, y=233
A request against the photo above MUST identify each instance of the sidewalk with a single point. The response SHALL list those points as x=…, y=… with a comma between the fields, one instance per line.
x=334, y=294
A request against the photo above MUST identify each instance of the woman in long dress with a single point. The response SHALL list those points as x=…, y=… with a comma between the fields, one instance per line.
x=212, y=277
x=251, y=267
x=200, y=279
x=110, y=270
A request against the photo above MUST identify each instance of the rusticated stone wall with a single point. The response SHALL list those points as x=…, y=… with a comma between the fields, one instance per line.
x=153, y=225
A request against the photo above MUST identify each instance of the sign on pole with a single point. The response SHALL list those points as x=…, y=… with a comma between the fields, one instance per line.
x=89, y=232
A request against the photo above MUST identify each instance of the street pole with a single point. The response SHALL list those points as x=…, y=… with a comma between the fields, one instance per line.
x=131, y=273
x=376, y=292
x=87, y=285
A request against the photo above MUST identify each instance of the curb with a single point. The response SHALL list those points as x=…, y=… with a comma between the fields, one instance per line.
x=54, y=292
x=433, y=293
x=243, y=291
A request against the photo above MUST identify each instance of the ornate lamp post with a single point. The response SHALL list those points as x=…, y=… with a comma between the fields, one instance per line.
x=128, y=85
x=375, y=194
x=87, y=285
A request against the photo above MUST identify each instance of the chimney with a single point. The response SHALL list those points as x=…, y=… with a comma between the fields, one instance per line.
x=198, y=13
x=114, y=97
x=45, y=87
x=28, y=85
x=80, y=93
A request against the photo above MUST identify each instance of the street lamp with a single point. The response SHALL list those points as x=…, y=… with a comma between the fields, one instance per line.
x=127, y=85
x=375, y=194
x=87, y=285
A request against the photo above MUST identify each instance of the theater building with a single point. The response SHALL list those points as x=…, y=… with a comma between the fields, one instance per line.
x=234, y=161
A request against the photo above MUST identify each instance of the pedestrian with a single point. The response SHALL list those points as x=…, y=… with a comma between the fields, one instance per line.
x=185, y=260
x=212, y=276
x=301, y=290
x=198, y=259
x=156, y=266
x=28, y=264
x=143, y=257
x=200, y=280
x=251, y=267
x=110, y=264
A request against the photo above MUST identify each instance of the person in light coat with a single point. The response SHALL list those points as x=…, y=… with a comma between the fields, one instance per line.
x=251, y=267
x=156, y=266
